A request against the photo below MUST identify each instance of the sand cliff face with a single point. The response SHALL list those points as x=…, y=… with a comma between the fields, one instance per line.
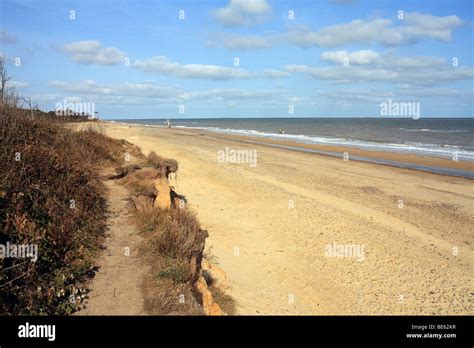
x=165, y=199
x=270, y=225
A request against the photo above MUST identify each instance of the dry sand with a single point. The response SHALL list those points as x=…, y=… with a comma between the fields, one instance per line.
x=418, y=258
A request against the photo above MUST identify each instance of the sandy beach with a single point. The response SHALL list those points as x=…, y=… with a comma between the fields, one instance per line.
x=270, y=226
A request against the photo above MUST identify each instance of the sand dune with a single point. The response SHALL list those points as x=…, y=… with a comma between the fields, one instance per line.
x=270, y=225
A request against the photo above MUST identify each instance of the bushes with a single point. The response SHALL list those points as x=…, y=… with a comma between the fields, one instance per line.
x=49, y=196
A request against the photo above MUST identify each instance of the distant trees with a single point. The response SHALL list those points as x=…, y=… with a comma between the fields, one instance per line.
x=4, y=89
x=9, y=98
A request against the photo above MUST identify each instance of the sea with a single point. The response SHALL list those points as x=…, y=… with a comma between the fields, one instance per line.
x=450, y=138
x=439, y=137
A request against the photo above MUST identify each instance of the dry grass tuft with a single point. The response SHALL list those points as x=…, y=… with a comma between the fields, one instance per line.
x=165, y=297
x=141, y=182
x=157, y=161
x=174, y=244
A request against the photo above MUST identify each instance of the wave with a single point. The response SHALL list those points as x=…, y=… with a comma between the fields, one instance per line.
x=444, y=151
x=435, y=130
x=427, y=149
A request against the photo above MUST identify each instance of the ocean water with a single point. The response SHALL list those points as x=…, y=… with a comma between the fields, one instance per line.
x=438, y=137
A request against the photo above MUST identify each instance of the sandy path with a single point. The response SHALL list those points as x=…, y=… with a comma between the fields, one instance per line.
x=274, y=255
x=116, y=289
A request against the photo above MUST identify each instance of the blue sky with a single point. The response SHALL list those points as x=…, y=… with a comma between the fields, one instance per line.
x=321, y=58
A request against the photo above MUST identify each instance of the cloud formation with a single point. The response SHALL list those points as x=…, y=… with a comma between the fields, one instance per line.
x=236, y=42
x=92, y=52
x=375, y=96
x=99, y=91
x=134, y=93
x=414, y=27
x=243, y=12
x=356, y=57
x=230, y=94
x=371, y=66
x=162, y=65
x=275, y=74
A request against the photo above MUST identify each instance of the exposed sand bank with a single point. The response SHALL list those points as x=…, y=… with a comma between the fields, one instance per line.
x=274, y=256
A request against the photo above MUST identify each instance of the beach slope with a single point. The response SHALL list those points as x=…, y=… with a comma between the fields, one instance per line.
x=275, y=228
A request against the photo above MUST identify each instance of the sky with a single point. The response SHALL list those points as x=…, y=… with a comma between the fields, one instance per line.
x=241, y=58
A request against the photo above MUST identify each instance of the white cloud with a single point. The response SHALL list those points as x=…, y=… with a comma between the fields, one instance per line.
x=275, y=74
x=439, y=93
x=413, y=28
x=135, y=93
x=356, y=57
x=367, y=95
x=234, y=42
x=119, y=95
x=92, y=52
x=163, y=65
x=375, y=59
x=230, y=93
x=370, y=66
x=243, y=12
x=419, y=62
x=424, y=76
x=101, y=91
x=358, y=74
x=376, y=95
x=426, y=25
x=345, y=74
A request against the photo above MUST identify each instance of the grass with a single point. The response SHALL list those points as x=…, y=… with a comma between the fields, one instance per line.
x=178, y=271
x=50, y=195
x=174, y=244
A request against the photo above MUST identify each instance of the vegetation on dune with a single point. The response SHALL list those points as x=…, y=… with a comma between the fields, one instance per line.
x=174, y=243
x=50, y=196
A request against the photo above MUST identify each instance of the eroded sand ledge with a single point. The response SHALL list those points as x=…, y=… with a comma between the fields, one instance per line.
x=274, y=256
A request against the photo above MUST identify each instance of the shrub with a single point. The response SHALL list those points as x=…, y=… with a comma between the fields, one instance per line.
x=50, y=197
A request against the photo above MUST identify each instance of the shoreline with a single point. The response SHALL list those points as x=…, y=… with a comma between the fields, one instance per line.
x=430, y=164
